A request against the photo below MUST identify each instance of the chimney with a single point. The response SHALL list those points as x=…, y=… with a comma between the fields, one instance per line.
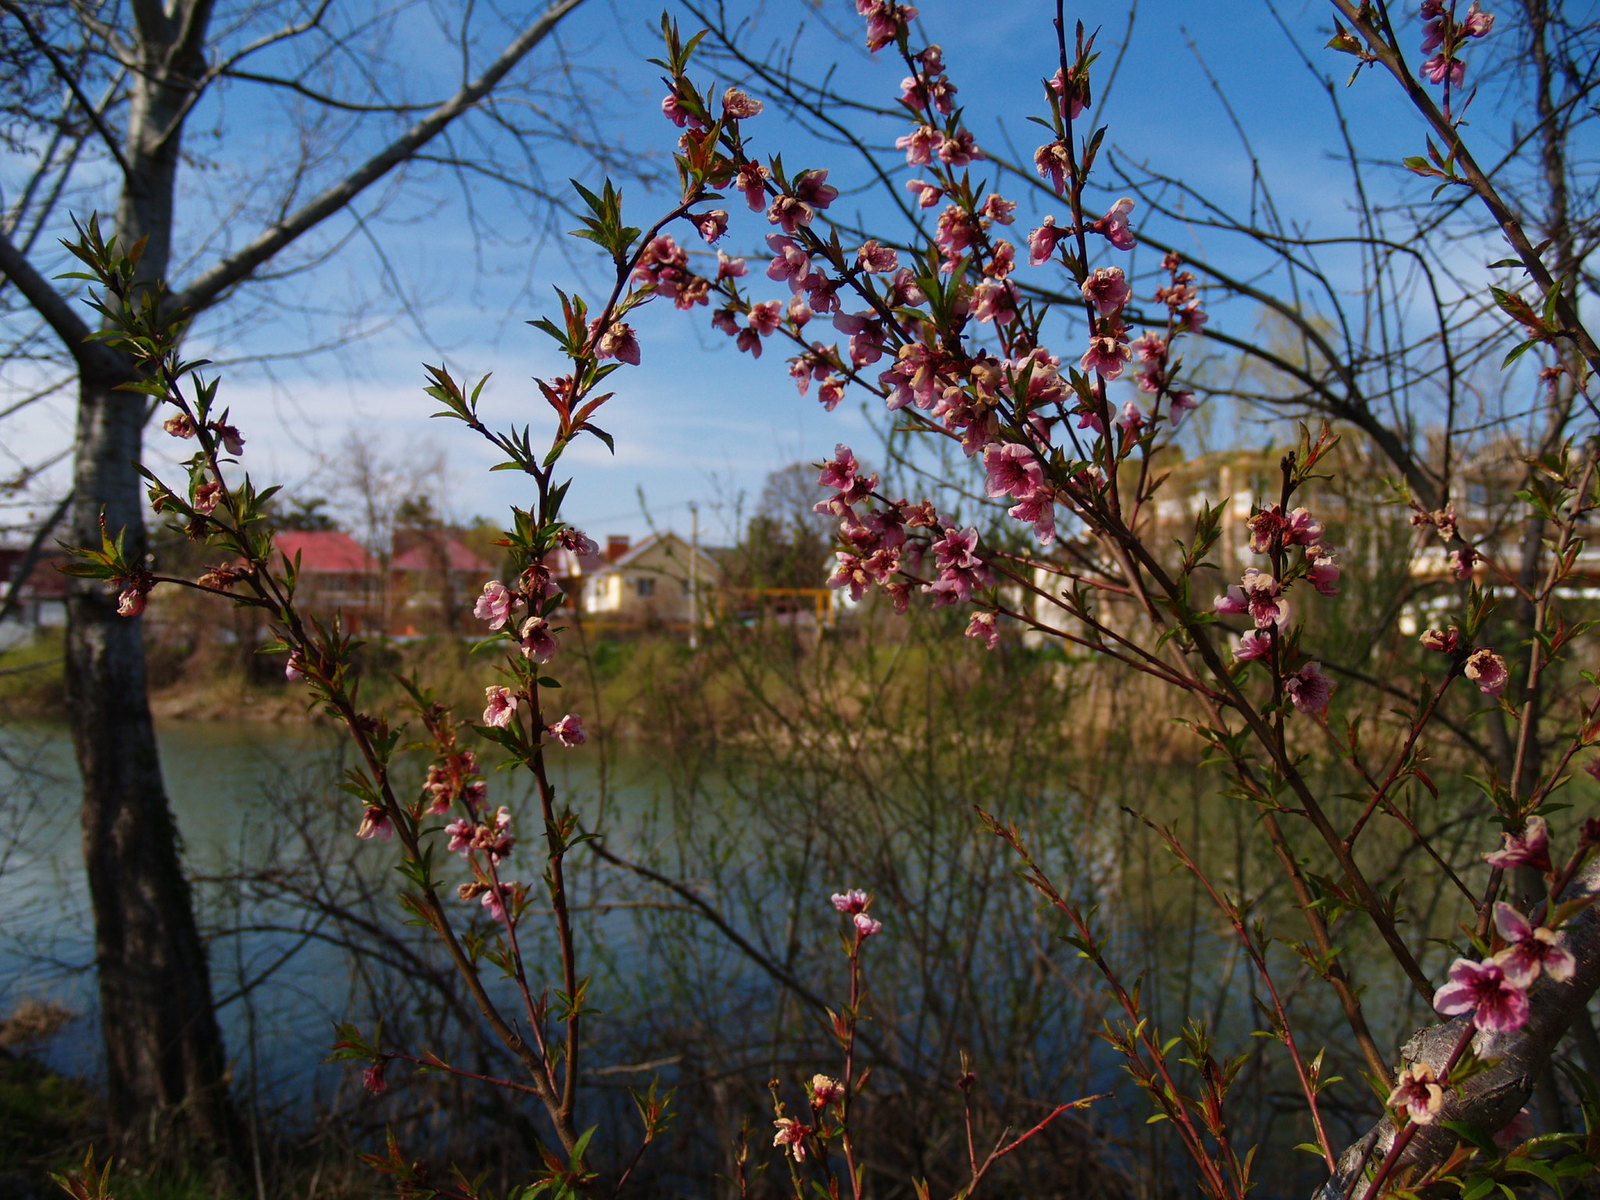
x=616, y=546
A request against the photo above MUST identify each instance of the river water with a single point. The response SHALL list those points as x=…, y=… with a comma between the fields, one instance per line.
x=239, y=792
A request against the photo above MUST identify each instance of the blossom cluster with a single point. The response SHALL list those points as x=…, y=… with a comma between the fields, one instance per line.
x=1443, y=37
x=1262, y=594
x=853, y=904
x=1494, y=990
x=884, y=545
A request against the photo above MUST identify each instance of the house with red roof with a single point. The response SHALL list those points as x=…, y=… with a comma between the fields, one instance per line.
x=434, y=581
x=337, y=576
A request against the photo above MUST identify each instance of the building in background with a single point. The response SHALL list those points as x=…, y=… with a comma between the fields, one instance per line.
x=662, y=580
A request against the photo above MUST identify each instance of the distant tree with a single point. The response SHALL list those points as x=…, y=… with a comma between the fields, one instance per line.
x=786, y=543
x=305, y=513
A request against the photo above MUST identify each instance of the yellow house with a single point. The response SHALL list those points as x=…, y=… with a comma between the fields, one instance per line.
x=662, y=580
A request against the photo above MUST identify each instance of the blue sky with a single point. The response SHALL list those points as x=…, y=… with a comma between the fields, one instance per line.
x=697, y=423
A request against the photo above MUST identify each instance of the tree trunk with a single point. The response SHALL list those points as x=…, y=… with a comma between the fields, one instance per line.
x=166, y=1079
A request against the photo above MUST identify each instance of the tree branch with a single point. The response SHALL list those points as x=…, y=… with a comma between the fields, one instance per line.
x=50, y=304
x=70, y=79
x=237, y=267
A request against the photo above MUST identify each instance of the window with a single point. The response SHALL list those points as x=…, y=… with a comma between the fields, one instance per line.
x=645, y=585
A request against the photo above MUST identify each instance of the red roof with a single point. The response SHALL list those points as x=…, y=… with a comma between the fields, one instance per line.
x=425, y=557
x=324, y=551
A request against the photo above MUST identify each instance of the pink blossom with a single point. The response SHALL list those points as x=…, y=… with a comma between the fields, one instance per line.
x=919, y=144
x=730, y=268
x=957, y=231
x=1114, y=225
x=1303, y=528
x=982, y=627
x=1531, y=848
x=1069, y=94
x=1264, y=594
x=712, y=225
x=840, y=470
x=1488, y=670
x=904, y=291
x=1482, y=989
x=789, y=213
x=1477, y=23
x=790, y=263
x=1107, y=290
x=1323, y=571
x=538, y=642
x=1052, y=163
x=372, y=1078
x=1309, y=689
x=500, y=707
x=1003, y=261
x=131, y=602
x=876, y=257
x=852, y=901
x=207, y=496
x=851, y=573
x=813, y=189
x=293, y=669
x=866, y=926
x=1530, y=950
x=885, y=22
x=461, y=833
x=1106, y=355
x=959, y=150
x=926, y=193
x=672, y=107
x=1441, y=641
x=229, y=436
x=494, y=606
x=825, y=1090
x=1151, y=347
x=1417, y=1091
x=998, y=209
x=1042, y=242
x=1012, y=470
x=568, y=731
x=1182, y=404
x=1232, y=602
x=751, y=179
x=765, y=316
x=830, y=392
x=1253, y=643
x=995, y=300
x=494, y=899
x=791, y=1136
x=1441, y=67
x=738, y=105
x=576, y=541
x=960, y=568
x=375, y=824
x=179, y=425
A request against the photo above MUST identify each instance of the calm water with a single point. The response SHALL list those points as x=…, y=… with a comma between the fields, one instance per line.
x=239, y=792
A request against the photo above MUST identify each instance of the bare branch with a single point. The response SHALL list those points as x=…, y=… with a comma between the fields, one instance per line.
x=70, y=79
x=238, y=267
